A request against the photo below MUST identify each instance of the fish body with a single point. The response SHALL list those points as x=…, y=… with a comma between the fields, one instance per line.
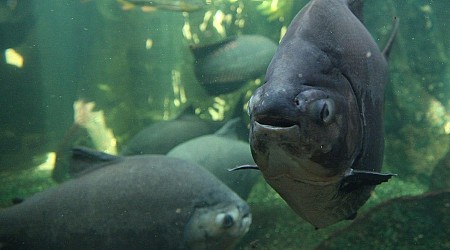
x=227, y=65
x=135, y=202
x=219, y=152
x=161, y=137
x=317, y=122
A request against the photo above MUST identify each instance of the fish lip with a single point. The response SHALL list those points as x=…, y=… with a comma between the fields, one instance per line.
x=275, y=122
x=278, y=128
x=269, y=133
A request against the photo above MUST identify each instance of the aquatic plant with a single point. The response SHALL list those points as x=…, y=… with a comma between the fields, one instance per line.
x=274, y=9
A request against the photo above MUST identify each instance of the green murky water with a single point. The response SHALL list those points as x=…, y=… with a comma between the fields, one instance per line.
x=95, y=73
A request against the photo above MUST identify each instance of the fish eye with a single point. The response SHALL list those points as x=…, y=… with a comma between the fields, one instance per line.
x=228, y=221
x=326, y=111
x=322, y=110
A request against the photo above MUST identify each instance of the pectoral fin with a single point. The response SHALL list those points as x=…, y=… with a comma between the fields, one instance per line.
x=354, y=179
x=244, y=167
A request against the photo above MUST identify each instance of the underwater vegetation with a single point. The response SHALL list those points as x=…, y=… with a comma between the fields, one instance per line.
x=274, y=9
x=136, y=65
x=414, y=221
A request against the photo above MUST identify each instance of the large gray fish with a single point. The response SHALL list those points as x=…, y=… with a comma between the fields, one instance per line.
x=227, y=65
x=135, y=202
x=317, y=122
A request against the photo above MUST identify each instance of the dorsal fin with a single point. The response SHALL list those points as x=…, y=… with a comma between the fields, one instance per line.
x=388, y=46
x=203, y=50
x=84, y=159
x=229, y=129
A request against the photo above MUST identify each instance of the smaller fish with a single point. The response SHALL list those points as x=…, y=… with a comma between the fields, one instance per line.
x=219, y=151
x=149, y=5
x=225, y=66
x=161, y=137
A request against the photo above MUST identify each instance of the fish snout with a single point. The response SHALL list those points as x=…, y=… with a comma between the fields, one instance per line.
x=273, y=107
x=246, y=217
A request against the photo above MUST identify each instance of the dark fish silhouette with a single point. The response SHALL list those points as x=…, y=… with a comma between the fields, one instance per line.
x=225, y=66
x=317, y=122
x=134, y=202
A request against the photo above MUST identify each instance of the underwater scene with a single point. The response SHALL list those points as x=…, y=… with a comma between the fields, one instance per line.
x=224, y=124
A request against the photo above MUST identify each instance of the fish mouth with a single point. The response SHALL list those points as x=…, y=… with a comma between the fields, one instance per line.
x=275, y=122
x=274, y=131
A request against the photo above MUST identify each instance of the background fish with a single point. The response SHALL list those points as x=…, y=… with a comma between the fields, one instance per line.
x=169, y=5
x=153, y=202
x=227, y=65
x=161, y=137
x=219, y=152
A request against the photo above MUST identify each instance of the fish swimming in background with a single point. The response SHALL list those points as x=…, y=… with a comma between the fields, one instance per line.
x=154, y=5
x=317, y=123
x=160, y=137
x=168, y=5
x=220, y=151
x=225, y=66
x=133, y=202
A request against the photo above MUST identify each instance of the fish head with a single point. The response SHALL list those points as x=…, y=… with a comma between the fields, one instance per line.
x=217, y=226
x=307, y=113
